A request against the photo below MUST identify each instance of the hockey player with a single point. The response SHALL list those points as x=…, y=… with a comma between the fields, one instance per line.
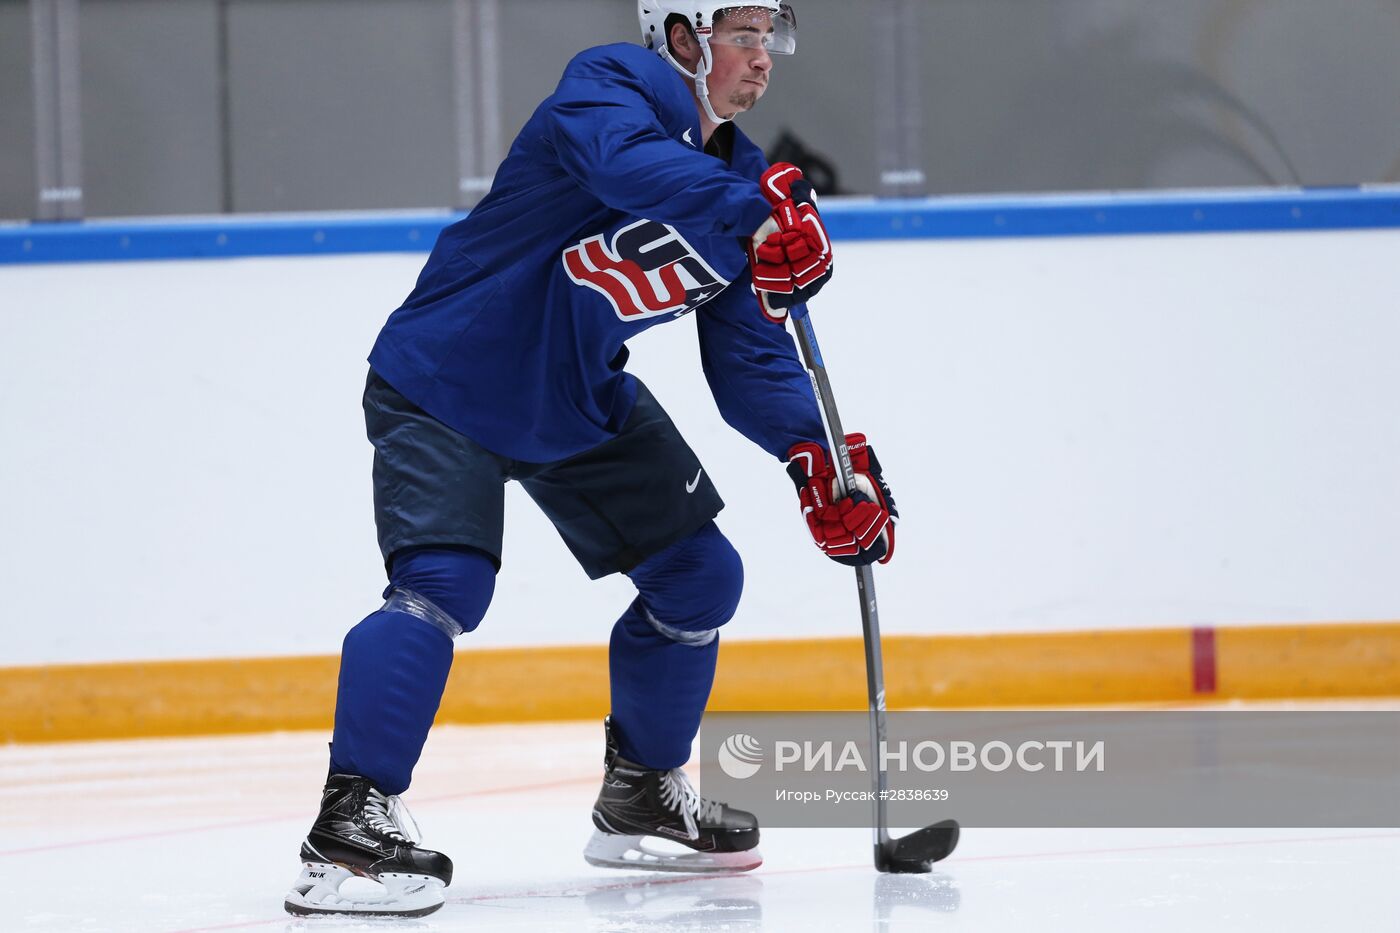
x=629, y=200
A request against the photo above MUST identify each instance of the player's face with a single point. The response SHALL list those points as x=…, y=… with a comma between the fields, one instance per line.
x=742, y=63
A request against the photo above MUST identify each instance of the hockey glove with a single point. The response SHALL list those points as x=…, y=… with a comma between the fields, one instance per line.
x=859, y=529
x=790, y=255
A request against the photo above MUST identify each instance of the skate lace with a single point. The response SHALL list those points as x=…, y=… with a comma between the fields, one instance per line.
x=389, y=816
x=678, y=794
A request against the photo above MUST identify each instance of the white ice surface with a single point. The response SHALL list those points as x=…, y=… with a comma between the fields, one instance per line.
x=202, y=834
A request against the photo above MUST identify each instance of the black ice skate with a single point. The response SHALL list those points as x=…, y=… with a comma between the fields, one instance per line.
x=362, y=832
x=638, y=806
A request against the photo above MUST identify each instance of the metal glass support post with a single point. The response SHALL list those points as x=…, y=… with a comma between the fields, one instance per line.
x=58, y=140
x=899, y=98
x=225, y=64
x=476, y=92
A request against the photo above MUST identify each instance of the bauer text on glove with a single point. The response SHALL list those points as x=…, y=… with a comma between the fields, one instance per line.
x=858, y=529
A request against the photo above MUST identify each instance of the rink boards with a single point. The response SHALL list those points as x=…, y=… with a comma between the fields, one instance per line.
x=1138, y=468
x=504, y=685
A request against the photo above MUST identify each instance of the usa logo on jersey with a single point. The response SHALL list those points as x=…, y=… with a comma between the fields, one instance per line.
x=648, y=270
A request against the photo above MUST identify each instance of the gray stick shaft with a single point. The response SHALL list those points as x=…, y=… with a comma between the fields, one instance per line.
x=865, y=576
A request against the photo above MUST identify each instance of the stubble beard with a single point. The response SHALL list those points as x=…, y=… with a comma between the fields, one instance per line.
x=743, y=100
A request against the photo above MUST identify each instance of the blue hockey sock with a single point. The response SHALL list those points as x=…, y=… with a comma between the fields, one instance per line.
x=393, y=669
x=663, y=650
x=394, y=664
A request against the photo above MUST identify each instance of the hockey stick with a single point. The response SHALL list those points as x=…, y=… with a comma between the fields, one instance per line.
x=917, y=851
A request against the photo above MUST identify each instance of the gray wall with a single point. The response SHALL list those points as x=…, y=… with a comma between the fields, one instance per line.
x=16, y=112
x=341, y=103
x=349, y=104
x=541, y=36
x=1032, y=95
x=151, y=140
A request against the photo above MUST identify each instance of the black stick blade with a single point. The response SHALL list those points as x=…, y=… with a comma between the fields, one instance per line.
x=916, y=852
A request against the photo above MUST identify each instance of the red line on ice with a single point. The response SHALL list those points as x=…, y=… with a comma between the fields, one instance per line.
x=256, y=821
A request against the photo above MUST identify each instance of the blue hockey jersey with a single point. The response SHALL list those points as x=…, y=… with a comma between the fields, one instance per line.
x=605, y=220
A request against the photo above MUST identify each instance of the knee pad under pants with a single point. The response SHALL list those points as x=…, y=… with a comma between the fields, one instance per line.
x=457, y=581
x=692, y=588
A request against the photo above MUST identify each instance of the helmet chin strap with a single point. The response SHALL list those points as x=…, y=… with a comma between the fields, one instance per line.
x=702, y=87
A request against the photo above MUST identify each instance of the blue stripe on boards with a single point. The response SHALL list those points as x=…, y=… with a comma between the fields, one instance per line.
x=218, y=238
x=1264, y=210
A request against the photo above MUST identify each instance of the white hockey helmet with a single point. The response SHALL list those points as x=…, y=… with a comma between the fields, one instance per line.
x=701, y=16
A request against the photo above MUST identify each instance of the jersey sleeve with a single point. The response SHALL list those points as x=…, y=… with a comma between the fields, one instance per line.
x=605, y=127
x=757, y=379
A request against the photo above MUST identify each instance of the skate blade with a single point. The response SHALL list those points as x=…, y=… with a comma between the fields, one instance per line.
x=317, y=892
x=607, y=850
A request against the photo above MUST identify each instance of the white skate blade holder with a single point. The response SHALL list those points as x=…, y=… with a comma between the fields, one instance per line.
x=317, y=892
x=647, y=853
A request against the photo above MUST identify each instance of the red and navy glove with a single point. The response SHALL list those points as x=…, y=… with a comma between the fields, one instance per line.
x=859, y=529
x=790, y=255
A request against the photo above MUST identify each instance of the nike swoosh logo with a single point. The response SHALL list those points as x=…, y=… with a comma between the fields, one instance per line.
x=694, y=484
x=688, y=141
